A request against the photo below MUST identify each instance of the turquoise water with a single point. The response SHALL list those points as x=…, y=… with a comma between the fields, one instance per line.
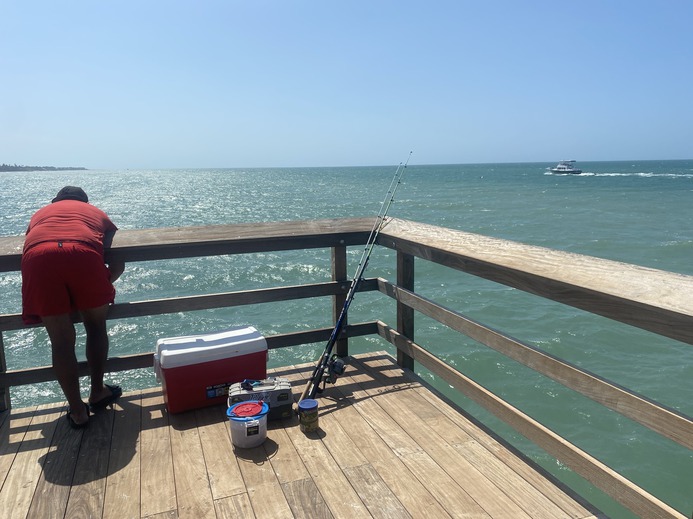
x=636, y=212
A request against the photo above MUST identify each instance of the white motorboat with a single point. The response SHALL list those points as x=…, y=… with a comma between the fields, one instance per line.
x=565, y=167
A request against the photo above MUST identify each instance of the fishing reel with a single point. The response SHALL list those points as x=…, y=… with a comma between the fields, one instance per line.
x=335, y=369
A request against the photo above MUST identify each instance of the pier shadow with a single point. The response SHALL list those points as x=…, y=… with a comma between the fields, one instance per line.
x=103, y=448
x=363, y=379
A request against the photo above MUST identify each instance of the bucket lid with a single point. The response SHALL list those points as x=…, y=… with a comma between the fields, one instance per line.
x=308, y=404
x=248, y=409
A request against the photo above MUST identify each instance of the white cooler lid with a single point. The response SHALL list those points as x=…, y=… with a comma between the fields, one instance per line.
x=195, y=349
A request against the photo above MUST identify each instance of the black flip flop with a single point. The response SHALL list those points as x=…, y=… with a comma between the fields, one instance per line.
x=74, y=424
x=116, y=392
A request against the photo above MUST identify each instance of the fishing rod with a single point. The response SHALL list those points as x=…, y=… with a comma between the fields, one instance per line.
x=330, y=367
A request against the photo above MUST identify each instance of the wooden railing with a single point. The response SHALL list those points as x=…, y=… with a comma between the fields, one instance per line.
x=653, y=300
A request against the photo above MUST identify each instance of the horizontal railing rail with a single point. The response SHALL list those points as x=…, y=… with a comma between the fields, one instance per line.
x=23, y=377
x=654, y=300
x=650, y=299
x=208, y=301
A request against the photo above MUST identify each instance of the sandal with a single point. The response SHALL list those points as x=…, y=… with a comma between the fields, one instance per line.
x=74, y=424
x=116, y=392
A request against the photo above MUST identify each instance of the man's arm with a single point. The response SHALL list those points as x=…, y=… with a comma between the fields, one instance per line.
x=115, y=267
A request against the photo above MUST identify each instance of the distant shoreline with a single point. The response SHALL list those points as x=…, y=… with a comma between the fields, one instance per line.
x=15, y=167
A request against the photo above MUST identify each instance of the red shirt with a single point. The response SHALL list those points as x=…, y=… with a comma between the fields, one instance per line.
x=69, y=220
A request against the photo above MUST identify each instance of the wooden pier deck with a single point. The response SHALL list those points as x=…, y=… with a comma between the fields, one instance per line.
x=387, y=447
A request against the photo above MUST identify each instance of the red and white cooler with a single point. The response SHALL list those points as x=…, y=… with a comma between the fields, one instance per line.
x=196, y=371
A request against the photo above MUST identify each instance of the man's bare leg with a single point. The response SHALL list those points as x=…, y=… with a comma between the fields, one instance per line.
x=61, y=332
x=97, y=350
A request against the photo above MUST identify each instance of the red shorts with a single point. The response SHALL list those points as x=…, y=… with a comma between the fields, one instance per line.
x=62, y=277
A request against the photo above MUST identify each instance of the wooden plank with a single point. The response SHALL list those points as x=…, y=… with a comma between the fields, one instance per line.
x=571, y=504
x=405, y=314
x=179, y=242
x=53, y=487
x=226, y=300
x=225, y=477
x=410, y=491
x=4, y=388
x=453, y=498
x=12, y=430
x=210, y=240
x=490, y=497
x=378, y=419
x=89, y=483
x=263, y=475
x=264, y=489
x=305, y=500
x=651, y=299
x=193, y=493
x=427, y=403
x=434, y=423
x=286, y=463
x=519, y=489
x=19, y=486
x=343, y=449
x=544, y=483
x=437, y=420
x=368, y=443
x=156, y=463
x=455, y=501
x=238, y=233
x=493, y=499
x=123, y=482
x=164, y=515
x=233, y=507
x=375, y=493
x=340, y=275
x=331, y=482
x=388, y=374
x=144, y=360
x=430, y=405
x=506, y=454
x=255, y=468
x=339, y=495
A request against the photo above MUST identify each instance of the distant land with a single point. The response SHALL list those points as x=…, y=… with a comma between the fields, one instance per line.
x=15, y=167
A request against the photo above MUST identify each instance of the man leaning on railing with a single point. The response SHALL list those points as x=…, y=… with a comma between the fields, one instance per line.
x=63, y=272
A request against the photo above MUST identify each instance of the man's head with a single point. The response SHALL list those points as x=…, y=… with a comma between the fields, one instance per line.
x=71, y=193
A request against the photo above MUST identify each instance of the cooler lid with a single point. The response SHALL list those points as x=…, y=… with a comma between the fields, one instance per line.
x=196, y=349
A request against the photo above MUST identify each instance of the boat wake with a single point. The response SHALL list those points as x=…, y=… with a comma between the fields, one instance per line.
x=646, y=175
x=638, y=174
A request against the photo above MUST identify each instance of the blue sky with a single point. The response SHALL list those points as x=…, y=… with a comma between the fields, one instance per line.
x=224, y=83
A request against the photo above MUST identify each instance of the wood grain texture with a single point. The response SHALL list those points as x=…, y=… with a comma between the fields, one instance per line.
x=651, y=299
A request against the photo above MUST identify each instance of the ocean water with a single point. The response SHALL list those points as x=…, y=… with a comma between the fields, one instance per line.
x=638, y=212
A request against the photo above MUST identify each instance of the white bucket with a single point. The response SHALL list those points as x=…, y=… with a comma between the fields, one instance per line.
x=248, y=423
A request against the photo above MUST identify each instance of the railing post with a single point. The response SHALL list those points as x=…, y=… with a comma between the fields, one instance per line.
x=405, y=314
x=339, y=273
x=4, y=391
